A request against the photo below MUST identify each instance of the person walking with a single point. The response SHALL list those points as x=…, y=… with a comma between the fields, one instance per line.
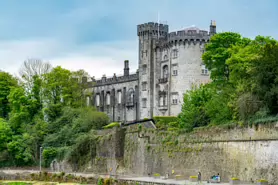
x=199, y=177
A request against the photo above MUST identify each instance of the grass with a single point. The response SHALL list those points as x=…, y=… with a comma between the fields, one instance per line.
x=34, y=183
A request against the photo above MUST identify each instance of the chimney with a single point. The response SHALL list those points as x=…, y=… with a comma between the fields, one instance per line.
x=212, y=28
x=126, y=69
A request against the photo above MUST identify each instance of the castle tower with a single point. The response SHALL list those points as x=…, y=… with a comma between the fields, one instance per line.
x=148, y=34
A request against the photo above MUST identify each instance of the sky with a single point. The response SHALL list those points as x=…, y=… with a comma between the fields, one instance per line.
x=98, y=35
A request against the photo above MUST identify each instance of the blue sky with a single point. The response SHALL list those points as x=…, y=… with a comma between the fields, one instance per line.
x=98, y=35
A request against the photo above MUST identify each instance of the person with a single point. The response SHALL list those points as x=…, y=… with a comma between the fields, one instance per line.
x=199, y=177
x=218, y=177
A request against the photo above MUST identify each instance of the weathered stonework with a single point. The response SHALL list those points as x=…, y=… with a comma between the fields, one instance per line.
x=169, y=65
x=246, y=153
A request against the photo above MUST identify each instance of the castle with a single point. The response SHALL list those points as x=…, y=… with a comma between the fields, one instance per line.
x=170, y=63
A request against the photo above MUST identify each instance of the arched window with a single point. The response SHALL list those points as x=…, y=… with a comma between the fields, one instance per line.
x=165, y=57
x=97, y=100
x=130, y=97
x=165, y=71
x=119, y=97
x=108, y=99
x=88, y=100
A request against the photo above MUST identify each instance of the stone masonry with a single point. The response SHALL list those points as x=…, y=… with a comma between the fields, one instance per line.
x=169, y=64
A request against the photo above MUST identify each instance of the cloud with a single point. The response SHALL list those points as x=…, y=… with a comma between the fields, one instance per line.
x=97, y=58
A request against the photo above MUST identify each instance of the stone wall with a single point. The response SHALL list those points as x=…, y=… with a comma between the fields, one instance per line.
x=246, y=153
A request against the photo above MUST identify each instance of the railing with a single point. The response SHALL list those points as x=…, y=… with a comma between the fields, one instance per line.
x=163, y=80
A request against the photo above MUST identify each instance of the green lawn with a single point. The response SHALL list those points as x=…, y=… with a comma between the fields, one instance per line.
x=33, y=183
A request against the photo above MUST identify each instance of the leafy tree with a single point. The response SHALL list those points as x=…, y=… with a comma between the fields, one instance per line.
x=5, y=134
x=7, y=82
x=193, y=112
x=216, y=54
x=254, y=71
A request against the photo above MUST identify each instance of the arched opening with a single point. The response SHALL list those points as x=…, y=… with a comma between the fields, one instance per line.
x=130, y=97
x=165, y=71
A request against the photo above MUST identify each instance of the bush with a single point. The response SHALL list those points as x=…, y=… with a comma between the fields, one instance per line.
x=163, y=122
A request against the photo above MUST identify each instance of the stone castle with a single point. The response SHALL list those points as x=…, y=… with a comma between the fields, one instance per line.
x=170, y=63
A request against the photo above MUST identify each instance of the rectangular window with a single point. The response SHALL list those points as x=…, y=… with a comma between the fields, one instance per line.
x=144, y=69
x=204, y=70
x=144, y=102
x=175, y=72
x=175, y=99
x=144, y=86
x=175, y=53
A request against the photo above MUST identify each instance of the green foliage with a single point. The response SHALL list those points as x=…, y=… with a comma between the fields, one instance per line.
x=49, y=154
x=244, y=76
x=7, y=83
x=112, y=125
x=164, y=122
x=5, y=134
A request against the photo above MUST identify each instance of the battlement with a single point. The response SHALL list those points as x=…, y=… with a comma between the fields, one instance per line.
x=152, y=28
x=189, y=34
x=114, y=80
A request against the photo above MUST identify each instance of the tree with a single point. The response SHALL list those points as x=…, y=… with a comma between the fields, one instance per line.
x=216, y=54
x=31, y=68
x=7, y=83
x=254, y=71
x=5, y=134
x=193, y=112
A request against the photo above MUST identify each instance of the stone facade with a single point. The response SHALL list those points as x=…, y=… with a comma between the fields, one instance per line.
x=169, y=65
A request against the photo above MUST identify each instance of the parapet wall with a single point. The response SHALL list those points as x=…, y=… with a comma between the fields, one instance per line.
x=189, y=35
x=152, y=28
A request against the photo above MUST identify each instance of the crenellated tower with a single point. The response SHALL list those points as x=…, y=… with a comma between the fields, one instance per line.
x=148, y=34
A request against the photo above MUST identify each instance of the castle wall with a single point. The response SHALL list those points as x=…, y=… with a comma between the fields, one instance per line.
x=246, y=153
x=120, y=108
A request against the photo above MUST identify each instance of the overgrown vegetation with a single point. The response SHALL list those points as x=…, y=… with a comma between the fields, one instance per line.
x=45, y=107
x=244, y=87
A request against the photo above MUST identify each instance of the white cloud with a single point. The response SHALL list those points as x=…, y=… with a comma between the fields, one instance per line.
x=97, y=59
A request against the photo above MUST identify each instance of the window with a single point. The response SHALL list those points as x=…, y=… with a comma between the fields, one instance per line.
x=144, y=86
x=130, y=97
x=163, y=101
x=108, y=99
x=97, y=100
x=204, y=70
x=144, y=69
x=119, y=97
x=165, y=57
x=175, y=70
x=88, y=101
x=175, y=99
x=175, y=53
x=165, y=71
x=144, y=102
x=162, y=98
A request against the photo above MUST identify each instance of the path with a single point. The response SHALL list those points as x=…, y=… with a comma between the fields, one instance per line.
x=139, y=179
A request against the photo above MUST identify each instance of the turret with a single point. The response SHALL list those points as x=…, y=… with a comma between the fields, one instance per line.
x=212, y=28
x=126, y=69
x=153, y=30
